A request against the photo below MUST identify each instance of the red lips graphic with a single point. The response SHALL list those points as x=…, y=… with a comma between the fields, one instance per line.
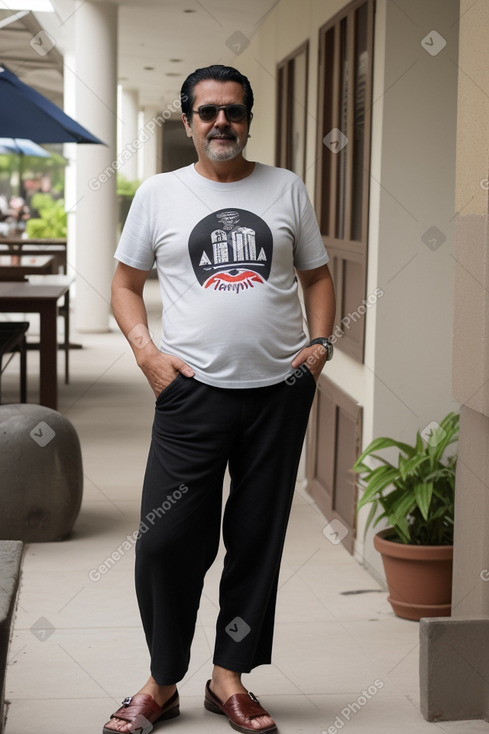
x=243, y=275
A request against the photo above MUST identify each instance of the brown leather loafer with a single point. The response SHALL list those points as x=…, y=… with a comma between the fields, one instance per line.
x=142, y=711
x=240, y=709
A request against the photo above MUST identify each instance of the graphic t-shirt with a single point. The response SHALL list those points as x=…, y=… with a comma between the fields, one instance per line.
x=225, y=255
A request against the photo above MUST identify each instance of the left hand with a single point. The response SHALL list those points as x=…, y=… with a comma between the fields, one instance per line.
x=314, y=357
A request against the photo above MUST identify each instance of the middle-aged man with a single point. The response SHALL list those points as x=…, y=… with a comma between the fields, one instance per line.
x=234, y=378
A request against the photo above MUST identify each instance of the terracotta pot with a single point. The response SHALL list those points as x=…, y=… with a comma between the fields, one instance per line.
x=419, y=577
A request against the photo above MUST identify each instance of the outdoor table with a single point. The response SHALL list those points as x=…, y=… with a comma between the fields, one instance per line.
x=40, y=294
x=10, y=269
x=16, y=245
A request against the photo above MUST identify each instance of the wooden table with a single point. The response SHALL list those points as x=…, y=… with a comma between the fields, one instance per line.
x=41, y=295
x=10, y=269
x=35, y=246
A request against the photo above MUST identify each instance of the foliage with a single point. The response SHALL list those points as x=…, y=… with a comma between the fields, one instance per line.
x=126, y=187
x=32, y=166
x=417, y=495
x=52, y=218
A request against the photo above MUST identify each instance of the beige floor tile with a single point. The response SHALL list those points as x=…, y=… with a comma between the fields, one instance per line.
x=78, y=648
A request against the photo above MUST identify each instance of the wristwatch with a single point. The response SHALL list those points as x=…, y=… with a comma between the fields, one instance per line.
x=326, y=343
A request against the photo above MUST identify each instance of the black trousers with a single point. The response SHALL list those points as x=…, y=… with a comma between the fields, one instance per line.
x=198, y=430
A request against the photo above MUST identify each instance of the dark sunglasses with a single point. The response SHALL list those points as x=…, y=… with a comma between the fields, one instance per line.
x=233, y=112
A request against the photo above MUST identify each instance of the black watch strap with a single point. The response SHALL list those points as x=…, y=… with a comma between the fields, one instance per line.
x=326, y=343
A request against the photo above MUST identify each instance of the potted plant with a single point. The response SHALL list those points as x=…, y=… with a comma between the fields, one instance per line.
x=416, y=497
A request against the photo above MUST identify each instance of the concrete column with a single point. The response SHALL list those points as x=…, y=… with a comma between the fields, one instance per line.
x=128, y=133
x=69, y=152
x=454, y=660
x=148, y=159
x=96, y=212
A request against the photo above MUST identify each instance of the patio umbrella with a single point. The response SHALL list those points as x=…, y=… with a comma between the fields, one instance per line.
x=25, y=113
x=22, y=147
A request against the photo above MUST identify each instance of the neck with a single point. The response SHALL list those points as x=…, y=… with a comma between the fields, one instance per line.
x=225, y=171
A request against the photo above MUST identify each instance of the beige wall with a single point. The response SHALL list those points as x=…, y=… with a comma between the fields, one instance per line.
x=405, y=382
x=471, y=330
x=414, y=159
x=470, y=364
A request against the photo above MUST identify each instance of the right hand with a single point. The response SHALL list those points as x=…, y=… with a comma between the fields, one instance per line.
x=161, y=369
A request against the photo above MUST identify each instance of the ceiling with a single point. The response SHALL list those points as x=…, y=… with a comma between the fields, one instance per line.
x=159, y=42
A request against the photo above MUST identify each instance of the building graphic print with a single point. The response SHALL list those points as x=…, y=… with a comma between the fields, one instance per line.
x=233, y=256
x=242, y=246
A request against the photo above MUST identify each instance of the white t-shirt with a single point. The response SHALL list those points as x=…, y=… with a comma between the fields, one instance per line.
x=225, y=255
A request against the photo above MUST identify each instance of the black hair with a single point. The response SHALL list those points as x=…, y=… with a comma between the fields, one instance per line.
x=218, y=73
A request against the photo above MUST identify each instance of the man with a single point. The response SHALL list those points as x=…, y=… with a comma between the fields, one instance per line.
x=234, y=380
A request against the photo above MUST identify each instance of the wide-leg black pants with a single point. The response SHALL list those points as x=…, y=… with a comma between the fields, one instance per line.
x=198, y=430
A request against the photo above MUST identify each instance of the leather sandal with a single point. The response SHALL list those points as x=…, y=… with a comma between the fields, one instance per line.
x=240, y=709
x=142, y=711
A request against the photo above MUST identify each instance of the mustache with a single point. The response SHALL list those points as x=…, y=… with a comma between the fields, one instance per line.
x=223, y=134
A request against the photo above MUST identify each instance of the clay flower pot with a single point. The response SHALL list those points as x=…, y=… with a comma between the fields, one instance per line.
x=419, y=577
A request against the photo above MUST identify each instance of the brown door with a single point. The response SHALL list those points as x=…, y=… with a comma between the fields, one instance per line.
x=333, y=445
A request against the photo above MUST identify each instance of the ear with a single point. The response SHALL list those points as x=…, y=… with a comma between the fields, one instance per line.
x=188, y=128
x=249, y=124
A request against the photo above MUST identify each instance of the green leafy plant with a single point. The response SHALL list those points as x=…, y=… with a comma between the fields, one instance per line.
x=126, y=187
x=51, y=222
x=416, y=496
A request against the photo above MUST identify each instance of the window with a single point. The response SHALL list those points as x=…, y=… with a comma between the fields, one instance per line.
x=342, y=183
x=292, y=111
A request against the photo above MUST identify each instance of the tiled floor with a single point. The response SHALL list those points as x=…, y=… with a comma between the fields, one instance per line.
x=342, y=660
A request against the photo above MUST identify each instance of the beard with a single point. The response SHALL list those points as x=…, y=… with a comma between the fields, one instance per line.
x=233, y=147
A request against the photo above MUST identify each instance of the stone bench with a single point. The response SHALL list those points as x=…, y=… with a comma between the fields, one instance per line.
x=41, y=476
x=10, y=562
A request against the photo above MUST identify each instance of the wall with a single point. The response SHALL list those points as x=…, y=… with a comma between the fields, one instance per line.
x=412, y=220
x=405, y=382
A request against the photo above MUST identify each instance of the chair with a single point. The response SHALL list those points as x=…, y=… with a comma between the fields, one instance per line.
x=12, y=339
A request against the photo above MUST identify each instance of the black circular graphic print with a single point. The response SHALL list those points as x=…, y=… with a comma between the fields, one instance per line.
x=231, y=250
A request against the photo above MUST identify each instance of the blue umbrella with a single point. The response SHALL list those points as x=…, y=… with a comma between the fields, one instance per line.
x=25, y=113
x=22, y=146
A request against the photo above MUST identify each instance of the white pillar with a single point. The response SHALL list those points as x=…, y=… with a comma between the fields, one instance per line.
x=149, y=150
x=128, y=127
x=69, y=152
x=96, y=211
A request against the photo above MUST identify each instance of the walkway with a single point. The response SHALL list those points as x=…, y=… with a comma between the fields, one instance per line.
x=342, y=659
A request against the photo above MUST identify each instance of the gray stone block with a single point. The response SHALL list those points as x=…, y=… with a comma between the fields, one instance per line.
x=454, y=668
x=41, y=477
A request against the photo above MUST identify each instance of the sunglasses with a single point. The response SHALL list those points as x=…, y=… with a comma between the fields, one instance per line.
x=233, y=112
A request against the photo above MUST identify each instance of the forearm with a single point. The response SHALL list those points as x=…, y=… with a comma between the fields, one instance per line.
x=130, y=313
x=320, y=306
x=319, y=302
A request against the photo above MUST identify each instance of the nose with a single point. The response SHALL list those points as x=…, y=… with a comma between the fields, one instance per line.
x=221, y=119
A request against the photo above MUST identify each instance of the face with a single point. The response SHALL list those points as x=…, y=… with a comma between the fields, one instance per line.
x=218, y=140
